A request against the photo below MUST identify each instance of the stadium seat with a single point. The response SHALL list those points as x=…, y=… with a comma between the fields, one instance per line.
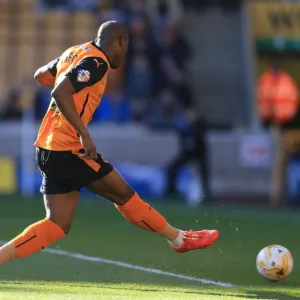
x=4, y=13
x=54, y=20
x=55, y=35
x=25, y=67
x=3, y=56
x=105, y=5
x=82, y=19
x=27, y=17
x=26, y=5
x=4, y=32
x=8, y=64
x=53, y=51
x=27, y=35
x=4, y=6
x=53, y=24
x=83, y=27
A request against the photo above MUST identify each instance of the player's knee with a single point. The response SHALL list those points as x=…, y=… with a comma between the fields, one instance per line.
x=127, y=194
x=66, y=228
x=64, y=224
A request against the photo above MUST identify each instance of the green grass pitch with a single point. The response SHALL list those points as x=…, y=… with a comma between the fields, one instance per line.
x=100, y=231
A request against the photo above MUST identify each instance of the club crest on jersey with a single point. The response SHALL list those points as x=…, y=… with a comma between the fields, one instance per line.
x=83, y=76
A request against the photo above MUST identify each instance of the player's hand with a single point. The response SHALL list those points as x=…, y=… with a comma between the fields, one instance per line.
x=90, y=151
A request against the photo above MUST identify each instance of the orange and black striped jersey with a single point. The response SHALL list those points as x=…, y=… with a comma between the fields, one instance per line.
x=86, y=67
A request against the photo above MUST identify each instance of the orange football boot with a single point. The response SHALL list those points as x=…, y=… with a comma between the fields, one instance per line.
x=194, y=240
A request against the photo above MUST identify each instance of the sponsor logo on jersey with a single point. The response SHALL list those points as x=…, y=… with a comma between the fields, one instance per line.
x=83, y=76
x=85, y=47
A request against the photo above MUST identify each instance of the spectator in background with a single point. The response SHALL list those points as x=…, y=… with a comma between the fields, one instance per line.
x=161, y=13
x=82, y=5
x=112, y=10
x=175, y=53
x=140, y=110
x=278, y=107
x=12, y=111
x=139, y=77
x=165, y=110
x=230, y=5
x=20, y=98
x=192, y=132
x=143, y=53
x=3, y=97
x=192, y=5
x=54, y=4
x=173, y=44
x=114, y=108
x=42, y=101
x=227, y=5
x=133, y=8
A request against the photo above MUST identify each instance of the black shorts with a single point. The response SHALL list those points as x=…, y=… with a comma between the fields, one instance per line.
x=65, y=171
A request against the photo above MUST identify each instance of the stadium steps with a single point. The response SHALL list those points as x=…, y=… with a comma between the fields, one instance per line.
x=217, y=65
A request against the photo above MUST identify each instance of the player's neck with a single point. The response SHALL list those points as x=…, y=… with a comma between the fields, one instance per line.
x=104, y=48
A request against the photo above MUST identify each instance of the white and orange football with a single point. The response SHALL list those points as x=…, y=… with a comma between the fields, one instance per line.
x=275, y=262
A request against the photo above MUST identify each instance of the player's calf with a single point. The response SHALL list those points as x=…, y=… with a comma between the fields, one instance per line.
x=33, y=239
x=60, y=209
x=142, y=214
x=37, y=237
x=62, y=222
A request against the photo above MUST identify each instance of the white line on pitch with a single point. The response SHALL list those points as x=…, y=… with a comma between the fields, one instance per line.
x=133, y=267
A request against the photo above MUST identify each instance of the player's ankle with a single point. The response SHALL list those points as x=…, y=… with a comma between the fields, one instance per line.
x=178, y=241
x=169, y=232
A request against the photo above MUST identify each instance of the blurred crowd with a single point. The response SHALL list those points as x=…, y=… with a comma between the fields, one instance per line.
x=91, y=5
x=152, y=88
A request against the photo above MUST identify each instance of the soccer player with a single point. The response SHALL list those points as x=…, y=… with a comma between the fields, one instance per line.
x=67, y=157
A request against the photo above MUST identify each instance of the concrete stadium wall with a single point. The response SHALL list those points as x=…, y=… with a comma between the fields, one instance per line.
x=232, y=173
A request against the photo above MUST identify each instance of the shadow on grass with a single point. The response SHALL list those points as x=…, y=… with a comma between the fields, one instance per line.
x=238, y=294
x=273, y=295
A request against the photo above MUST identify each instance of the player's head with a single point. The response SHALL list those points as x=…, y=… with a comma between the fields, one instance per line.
x=113, y=36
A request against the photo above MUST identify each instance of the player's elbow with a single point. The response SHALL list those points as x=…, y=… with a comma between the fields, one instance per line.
x=43, y=76
x=37, y=75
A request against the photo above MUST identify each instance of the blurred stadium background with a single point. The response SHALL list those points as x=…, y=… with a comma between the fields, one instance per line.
x=185, y=56
x=201, y=54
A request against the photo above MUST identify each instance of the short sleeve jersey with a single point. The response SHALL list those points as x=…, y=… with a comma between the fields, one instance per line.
x=87, y=67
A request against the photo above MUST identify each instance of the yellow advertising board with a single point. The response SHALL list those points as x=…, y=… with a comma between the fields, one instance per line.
x=274, y=19
x=8, y=181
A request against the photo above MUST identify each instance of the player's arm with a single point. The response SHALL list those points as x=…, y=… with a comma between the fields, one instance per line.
x=46, y=75
x=87, y=73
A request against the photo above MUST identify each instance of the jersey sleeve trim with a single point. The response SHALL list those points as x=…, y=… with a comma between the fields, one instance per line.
x=52, y=66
